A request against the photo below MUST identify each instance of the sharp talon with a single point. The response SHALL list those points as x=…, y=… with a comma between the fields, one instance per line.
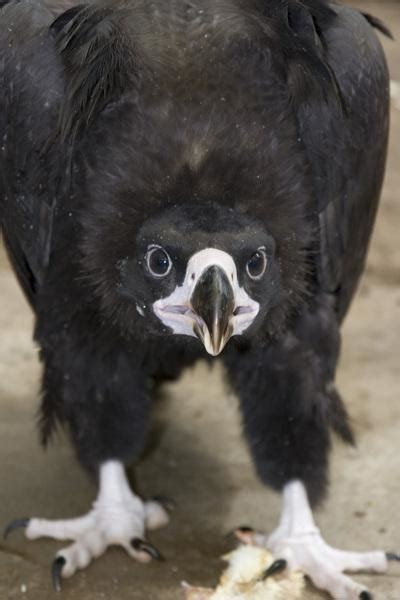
x=393, y=556
x=142, y=546
x=167, y=503
x=244, y=529
x=277, y=567
x=56, y=570
x=245, y=534
x=15, y=525
x=366, y=596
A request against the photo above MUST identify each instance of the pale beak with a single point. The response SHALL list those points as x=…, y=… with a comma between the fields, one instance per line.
x=213, y=301
x=209, y=304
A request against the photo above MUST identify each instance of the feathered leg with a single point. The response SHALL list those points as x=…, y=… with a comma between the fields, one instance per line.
x=102, y=398
x=289, y=404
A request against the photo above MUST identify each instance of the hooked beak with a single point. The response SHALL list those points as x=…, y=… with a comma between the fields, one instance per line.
x=210, y=304
x=213, y=302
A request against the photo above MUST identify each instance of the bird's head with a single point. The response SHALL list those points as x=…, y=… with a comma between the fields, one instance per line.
x=209, y=272
x=194, y=227
x=194, y=188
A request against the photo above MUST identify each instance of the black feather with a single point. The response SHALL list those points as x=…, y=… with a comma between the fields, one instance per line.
x=30, y=90
x=309, y=73
x=231, y=124
x=99, y=63
x=378, y=24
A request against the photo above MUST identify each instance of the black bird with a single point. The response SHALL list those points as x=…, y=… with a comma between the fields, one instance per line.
x=182, y=176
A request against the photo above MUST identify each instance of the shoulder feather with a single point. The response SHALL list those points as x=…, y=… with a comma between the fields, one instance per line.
x=99, y=62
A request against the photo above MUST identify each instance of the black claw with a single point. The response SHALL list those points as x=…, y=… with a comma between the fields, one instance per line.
x=242, y=528
x=245, y=529
x=15, y=525
x=56, y=570
x=167, y=503
x=277, y=567
x=393, y=556
x=142, y=546
x=366, y=596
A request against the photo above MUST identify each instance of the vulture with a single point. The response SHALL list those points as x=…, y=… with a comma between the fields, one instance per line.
x=182, y=179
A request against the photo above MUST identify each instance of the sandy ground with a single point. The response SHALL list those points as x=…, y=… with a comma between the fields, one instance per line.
x=361, y=512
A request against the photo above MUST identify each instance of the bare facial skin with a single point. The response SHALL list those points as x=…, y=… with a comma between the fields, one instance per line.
x=210, y=304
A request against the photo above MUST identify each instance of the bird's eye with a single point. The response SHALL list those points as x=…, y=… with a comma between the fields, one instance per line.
x=159, y=263
x=257, y=264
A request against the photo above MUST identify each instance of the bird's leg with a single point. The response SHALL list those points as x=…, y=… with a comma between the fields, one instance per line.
x=110, y=418
x=118, y=517
x=298, y=541
x=289, y=404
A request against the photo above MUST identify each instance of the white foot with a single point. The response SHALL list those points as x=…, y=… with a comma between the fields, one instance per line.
x=118, y=517
x=298, y=541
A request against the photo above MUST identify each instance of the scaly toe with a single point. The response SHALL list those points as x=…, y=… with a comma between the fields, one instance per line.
x=354, y=562
x=324, y=565
x=156, y=515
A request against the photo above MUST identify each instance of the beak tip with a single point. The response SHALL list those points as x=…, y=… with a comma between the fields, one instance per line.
x=210, y=345
x=213, y=302
x=214, y=352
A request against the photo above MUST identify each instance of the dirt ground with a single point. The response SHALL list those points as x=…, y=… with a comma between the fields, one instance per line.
x=362, y=509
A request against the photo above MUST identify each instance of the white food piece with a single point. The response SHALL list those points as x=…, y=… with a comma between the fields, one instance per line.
x=242, y=580
x=298, y=541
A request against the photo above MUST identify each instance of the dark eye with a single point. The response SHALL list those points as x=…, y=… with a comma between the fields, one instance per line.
x=159, y=263
x=257, y=264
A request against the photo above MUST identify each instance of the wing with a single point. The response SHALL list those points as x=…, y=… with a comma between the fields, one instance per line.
x=30, y=95
x=346, y=144
x=55, y=77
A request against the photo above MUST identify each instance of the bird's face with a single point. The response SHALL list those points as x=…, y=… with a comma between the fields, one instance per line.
x=210, y=303
x=208, y=276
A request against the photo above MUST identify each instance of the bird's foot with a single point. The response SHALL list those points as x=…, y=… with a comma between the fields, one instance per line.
x=118, y=517
x=298, y=541
x=325, y=566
